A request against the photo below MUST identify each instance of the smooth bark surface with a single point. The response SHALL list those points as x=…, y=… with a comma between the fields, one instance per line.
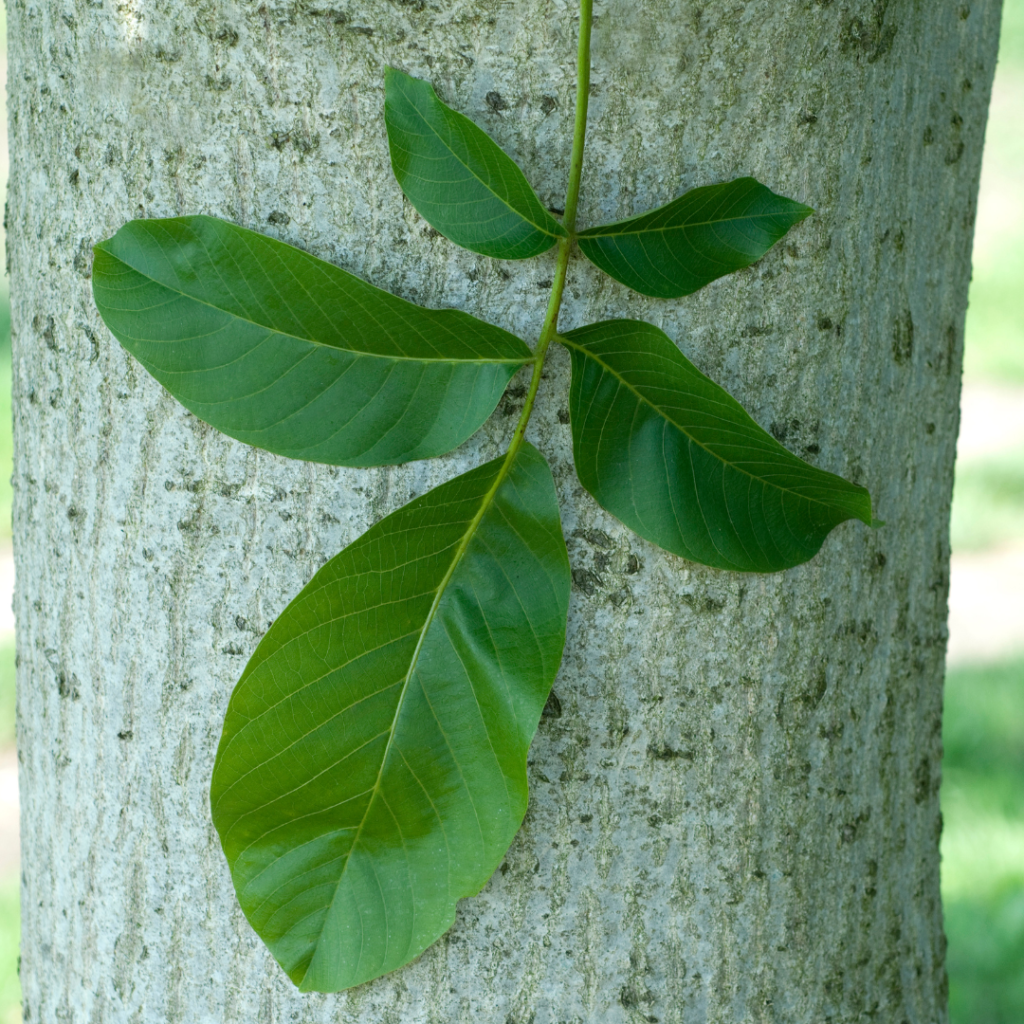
x=734, y=812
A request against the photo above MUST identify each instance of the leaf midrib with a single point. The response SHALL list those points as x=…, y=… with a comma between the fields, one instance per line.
x=467, y=537
x=323, y=344
x=668, y=419
x=599, y=233
x=529, y=220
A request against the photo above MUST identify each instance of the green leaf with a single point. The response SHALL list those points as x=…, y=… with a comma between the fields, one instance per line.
x=286, y=352
x=372, y=769
x=457, y=177
x=678, y=460
x=704, y=234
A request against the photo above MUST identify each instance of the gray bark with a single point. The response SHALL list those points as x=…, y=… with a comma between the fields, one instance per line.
x=735, y=817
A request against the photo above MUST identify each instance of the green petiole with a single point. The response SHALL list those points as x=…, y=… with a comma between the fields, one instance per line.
x=549, y=329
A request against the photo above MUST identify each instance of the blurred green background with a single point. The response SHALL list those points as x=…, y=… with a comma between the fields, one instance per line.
x=983, y=768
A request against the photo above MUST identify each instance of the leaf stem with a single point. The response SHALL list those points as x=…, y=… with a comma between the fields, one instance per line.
x=580, y=129
x=549, y=329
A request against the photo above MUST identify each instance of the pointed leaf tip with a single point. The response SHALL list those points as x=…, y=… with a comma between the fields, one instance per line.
x=458, y=178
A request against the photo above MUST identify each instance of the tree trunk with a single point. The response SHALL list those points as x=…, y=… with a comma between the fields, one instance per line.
x=734, y=812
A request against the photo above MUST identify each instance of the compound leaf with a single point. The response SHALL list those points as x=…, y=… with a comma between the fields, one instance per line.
x=372, y=768
x=705, y=234
x=286, y=352
x=678, y=460
x=459, y=179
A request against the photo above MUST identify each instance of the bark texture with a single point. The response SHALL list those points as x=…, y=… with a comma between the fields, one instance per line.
x=734, y=812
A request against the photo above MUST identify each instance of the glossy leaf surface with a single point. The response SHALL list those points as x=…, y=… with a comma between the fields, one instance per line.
x=459, y=179
x=678, y=460
x=372, y=768
x=286, y=352
x=705, y=234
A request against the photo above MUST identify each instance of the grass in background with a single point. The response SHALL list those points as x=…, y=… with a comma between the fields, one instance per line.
x=983, y=843
x=988, y=501
x=995, y=323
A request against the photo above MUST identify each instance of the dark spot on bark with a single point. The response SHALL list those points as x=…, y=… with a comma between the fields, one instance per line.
x=563, y=416
x=806, y=117
x=824, y=323
x=496, y=102
x=903, y=338
x=232, y=648
x=227, y=35
x=280, y=139
x=553, y=707
x=954, y=153
x=703, y=603
x=929, y=428
x=82, y=262
x=73, y=177
x=125, y=734
x=279, y=217
x=586, y=580
x=241, y=622
x=361, y=30
x=596, y=538
x=815, y=693
x=663, y=752
x=780, y=431
x=870, y=39
x=812, y=449
x=546, y=283
x=850, y=830
x=67, y=685
x=74, y=512
x=830, y=732
x=922, y=781
x=929, y=135
x=43, y=326
x=547, y=104
x=586, y=818
x=951, y=340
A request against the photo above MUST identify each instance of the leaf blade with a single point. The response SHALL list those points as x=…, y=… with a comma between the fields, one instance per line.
x=322, y=783
x=284, y=351
x=459, y=179
x=706, y=233
x=679, y=461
